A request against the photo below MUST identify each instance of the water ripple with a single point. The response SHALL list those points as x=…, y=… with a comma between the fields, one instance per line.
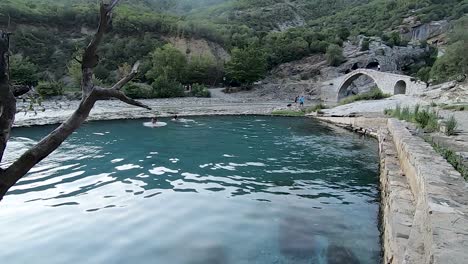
x=220, y=190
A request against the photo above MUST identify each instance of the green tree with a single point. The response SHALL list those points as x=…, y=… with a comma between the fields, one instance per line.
x=169, y=62
x=74, y=71
x=424, y=74
x=247, y=65
x=455, y=60
x=50, y=88
x=365, y=44
x=452, y=64
x=203, y=70
x=334, y=55
x=23, y=71
x=167, y=88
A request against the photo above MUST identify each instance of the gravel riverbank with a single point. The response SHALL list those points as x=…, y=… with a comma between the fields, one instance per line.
x=55, y=112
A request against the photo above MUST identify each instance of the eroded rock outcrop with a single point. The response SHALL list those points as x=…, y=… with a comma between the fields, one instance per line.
x=309, y=75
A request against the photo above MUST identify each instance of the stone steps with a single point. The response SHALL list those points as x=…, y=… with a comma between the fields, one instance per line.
x=397, y=203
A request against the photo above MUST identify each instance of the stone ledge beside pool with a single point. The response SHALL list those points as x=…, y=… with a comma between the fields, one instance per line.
x=441, y=199
x=424, y=199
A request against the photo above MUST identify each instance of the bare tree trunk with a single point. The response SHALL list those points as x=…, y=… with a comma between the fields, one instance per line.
x=7, y=99
x=90, y=95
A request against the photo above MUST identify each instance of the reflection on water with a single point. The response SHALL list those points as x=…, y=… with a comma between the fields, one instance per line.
x=215, y=190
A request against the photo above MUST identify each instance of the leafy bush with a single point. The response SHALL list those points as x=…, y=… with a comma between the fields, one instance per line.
x=426, y=119
x=23, y=71
x=450, y=126
x=406, y=114
x=203, y=70
x=199, y=90
x=455, y=60
x=424, y=74
x=165, y=88
x=47, y=89
x=138, y=90
x=334, y=55
x=458, y=107
x=168, y=61
x=365, y=45
x=247, y=65
x=374, y=94
x=394, y=39
x=453, y=158
x=316, y=108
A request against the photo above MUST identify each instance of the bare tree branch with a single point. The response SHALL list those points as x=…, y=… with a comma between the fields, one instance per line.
x=113, y=4
x=7, y=99
x=127, y=78
x=47, y=145
x=91, y=93
x=113, y=93
x=90, y=57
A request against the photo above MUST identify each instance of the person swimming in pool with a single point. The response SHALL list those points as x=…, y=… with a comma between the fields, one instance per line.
x=154, y=120
x=175, y=118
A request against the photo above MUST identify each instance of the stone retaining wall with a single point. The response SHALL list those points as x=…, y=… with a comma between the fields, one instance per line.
x=424, y=203
x=397, y=202
x=440, y=226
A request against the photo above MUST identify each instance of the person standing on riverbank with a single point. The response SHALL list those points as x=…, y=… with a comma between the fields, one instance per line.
x=301, y=101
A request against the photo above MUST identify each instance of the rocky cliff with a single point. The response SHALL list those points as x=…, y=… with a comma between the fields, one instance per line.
x=307, y=76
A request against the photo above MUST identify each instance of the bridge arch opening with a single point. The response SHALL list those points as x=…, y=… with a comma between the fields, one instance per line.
x=400, y=87
x=356, y=84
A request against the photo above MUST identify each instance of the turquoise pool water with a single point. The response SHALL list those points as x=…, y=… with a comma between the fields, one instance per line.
x=211, y=190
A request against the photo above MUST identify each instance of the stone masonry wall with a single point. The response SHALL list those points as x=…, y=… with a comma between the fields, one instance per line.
x=440, y=226
x=424, y=204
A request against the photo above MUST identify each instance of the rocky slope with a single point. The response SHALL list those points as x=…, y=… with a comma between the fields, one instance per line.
x=308, y=75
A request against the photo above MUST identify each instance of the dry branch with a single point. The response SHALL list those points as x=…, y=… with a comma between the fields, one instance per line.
x=91, y=94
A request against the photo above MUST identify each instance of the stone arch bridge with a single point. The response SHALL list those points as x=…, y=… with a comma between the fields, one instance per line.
x=388, y=83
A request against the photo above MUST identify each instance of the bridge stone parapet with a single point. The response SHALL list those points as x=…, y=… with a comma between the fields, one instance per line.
x=388, y=83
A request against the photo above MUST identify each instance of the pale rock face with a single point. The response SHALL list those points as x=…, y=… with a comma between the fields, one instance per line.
x=309, y=75
x=200, y=47
x=434, y=32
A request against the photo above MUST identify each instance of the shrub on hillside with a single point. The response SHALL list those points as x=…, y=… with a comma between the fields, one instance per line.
x=454, y=63
x=199, y=90
x=365, y=45
x=451, y=126
x=426, y=118
x=138, y=90
x=246, y=65
x=334, y=55
x=23, y=71
x=165, y=88
x=47, y=89
x=374, y=94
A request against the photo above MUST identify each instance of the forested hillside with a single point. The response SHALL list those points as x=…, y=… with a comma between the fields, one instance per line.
x=48, y=33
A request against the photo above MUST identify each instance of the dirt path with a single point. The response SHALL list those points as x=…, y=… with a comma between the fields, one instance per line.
x=217, y=93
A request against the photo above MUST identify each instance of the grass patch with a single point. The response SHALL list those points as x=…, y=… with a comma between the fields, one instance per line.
x=316, y=108
x=451, y=126
x=288, y=113
x=374, y=94
x=453, y=158
x=426, y=118
x=460, y=107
